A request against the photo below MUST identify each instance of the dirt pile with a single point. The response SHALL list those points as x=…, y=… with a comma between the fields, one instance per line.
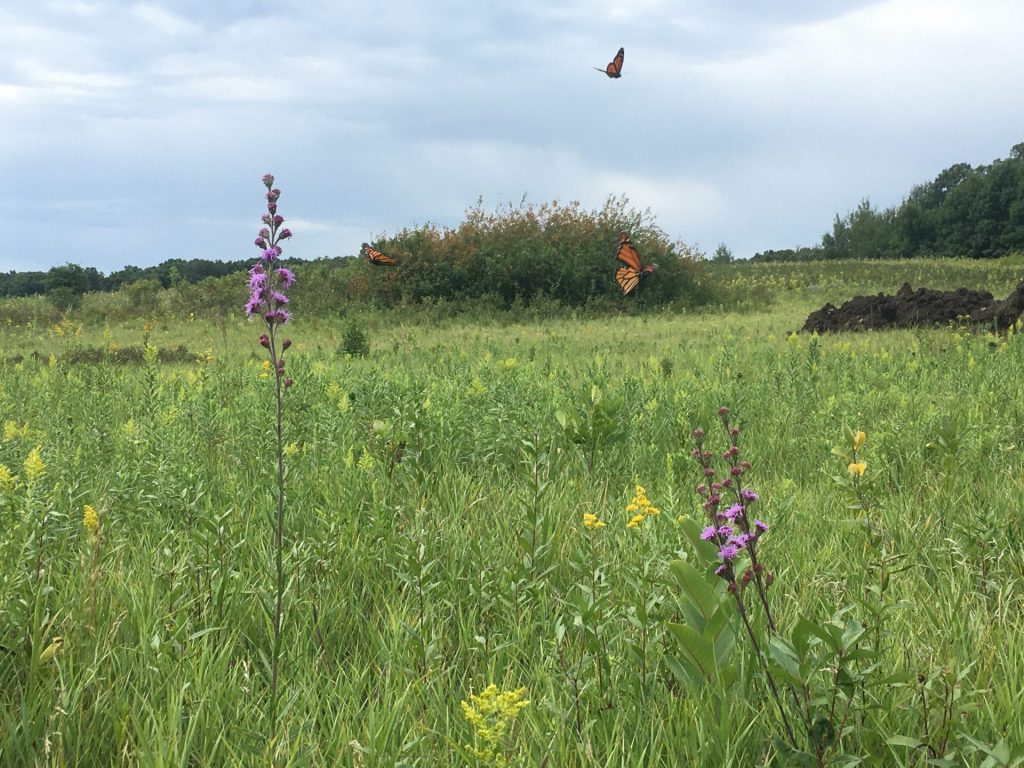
x=923, y=307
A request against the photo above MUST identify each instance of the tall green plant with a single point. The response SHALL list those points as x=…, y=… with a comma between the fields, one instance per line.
x=268, y=300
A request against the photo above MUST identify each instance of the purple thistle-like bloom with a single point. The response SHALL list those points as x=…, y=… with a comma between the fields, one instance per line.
x=278, y=297
x=748, y=495
x=286, y=276
x=284, y=234
x=270, y=255
x=708, y=533
x=258, y=281
x=725, y=530
x=252, y=304
x=728, y=552
x=740, y=539
x=733, y=512
x=760, y=526
x=268, y=180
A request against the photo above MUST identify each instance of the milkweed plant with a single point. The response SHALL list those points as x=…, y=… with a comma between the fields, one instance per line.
x=268, y=301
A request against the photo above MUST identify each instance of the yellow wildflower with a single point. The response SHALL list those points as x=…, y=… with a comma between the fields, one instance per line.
x=857, y=469
x=90, y=520
x=8, y=481
x=492, y=714
x=34, y=466
x=635, y=520
x=591, y=522
x=858, y=441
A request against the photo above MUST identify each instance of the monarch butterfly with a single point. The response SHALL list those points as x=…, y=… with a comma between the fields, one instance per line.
x=614, y=68
x=629, y=276
x=379, y=259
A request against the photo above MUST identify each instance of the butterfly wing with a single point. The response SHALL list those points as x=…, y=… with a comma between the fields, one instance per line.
x=628, y=279
x=615, y=67
x=627, y=253
x=379, y=259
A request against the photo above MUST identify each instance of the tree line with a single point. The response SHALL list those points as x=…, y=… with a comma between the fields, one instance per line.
x=964, y=212
x=513, y=257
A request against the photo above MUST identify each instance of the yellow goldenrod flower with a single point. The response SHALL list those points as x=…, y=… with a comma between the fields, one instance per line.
x=857, y=469
x=858, y=440
x=34, y=466
x=8, y=481
x=492, y=714
x=640, y=507
x=90, y=520
x=591, y=522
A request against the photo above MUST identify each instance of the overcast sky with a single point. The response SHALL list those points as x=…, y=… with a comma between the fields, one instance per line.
x=131, y=133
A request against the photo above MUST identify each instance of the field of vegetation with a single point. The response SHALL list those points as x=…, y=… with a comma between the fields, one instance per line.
x=493, y=540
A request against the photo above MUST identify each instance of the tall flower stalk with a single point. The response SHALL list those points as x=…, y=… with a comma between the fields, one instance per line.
x=267, y=299
x=734, y=531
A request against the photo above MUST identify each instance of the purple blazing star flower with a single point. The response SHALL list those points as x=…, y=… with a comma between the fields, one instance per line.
x=740, y=540
x=258, y=281
x=760, y=527
x=252, y=304
x=728, y=552
x=725, y=530
x=708, y=533
x=270, y=255
x=748, y=495
x=284, y=234
x=732, y=512
x=278, y=297
x=268, y=180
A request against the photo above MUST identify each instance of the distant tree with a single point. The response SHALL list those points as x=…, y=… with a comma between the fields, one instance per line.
x=722, y=255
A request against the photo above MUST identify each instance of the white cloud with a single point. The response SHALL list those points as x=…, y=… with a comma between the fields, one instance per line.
x=751, y=124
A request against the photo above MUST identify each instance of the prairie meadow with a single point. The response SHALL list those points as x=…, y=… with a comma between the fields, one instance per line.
x=503, y=542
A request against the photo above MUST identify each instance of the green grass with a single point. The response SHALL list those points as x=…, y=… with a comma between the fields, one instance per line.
x=416, y=584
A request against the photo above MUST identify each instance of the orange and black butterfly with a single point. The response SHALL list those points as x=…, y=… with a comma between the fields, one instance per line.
x=629, y=276
x=614, y=68
x=379, y=259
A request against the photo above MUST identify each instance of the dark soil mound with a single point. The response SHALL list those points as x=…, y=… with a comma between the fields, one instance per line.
x=923, y=307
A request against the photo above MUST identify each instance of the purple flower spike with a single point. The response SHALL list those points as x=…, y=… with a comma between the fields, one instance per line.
x=733, y=512
x=268, y=180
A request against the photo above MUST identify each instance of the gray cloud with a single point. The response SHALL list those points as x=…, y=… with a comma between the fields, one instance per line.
x=137, y=132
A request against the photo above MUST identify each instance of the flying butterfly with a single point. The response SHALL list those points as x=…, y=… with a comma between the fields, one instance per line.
x=379, y=259
x=614, y=68
x=629, y=276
